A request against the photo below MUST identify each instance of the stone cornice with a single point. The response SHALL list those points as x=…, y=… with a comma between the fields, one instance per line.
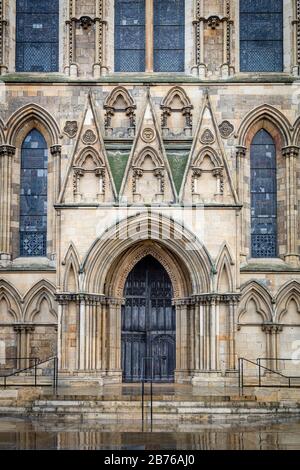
x=208, y=299
x=85, y=297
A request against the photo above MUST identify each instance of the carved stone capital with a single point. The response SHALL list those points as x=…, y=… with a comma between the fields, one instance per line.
x=55, y=150
x=218, y=172
x=8, y=150
x=290, y=151
x=271, y=328
x=241, y=151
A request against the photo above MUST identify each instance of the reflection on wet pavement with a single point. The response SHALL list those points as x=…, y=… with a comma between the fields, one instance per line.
x=274, y=434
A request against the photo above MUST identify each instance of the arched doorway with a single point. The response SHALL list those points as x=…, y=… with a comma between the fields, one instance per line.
x=148, y=323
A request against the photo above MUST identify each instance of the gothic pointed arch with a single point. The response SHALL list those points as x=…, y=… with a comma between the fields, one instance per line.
x=176, y=102
x=210, y=153
x=119, y=102
x=33, y=297
x=42, y=309
x=207, y=163
x=296, y=132
x=269, y=118
x=30, y=116
x=160, y=230
x=288, y=292
x=10, y=295
x=262, y=298
x=89, y=152
x=224, y=264
x=71, y=262
x=152, y=154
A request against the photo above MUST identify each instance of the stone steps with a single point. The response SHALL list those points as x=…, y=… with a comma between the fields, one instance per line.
x=164, y=410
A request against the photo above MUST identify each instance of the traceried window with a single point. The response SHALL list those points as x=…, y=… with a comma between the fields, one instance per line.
x=37, y=35
x=263, y=196
x=168, y=36
x=261, y=35
x=33, y=195
x=149, y=35
x=130, y=35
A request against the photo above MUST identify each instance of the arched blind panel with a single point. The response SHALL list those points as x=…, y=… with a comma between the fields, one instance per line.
x=33, y=195
x=37, y=35
x=263, y=196
x=261, y=36
x=168, y=35
x=129, y=35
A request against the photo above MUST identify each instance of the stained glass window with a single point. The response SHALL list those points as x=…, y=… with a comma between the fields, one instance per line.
x=33, y=195
x=129, y=35
x=168, y=35
x=261, y=35
x=263, y=196
x=37, y=36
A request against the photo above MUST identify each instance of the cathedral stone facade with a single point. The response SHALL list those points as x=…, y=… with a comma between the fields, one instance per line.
x=149, y=212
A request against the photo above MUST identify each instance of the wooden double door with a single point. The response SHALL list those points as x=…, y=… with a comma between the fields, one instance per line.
x=148, y=324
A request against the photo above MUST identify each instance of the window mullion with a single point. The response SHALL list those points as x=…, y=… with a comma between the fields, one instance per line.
x=149, y=35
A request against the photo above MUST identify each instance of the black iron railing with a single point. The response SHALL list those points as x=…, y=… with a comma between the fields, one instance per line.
x=147, y=378
x=33, y=368
x=261, y=369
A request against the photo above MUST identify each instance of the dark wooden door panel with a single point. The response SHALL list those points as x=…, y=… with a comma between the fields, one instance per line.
x=148, y=324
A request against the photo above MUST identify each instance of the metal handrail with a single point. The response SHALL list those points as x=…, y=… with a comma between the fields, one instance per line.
x=145, y=380
x=36, y=364
x=241, y=361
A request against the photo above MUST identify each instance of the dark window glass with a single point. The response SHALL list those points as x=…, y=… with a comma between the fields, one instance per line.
x=261, y=36
x=37, y=36
x=129, y=35
x=263, y=196
x=33, y=195
x=168, y=35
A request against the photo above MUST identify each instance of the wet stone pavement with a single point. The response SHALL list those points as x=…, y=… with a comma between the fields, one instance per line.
x=267, y=434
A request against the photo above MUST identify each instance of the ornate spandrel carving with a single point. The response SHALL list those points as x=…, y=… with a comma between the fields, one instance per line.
x=89, y=137
x=226, y=129
x=71, y=128
x=207, y=137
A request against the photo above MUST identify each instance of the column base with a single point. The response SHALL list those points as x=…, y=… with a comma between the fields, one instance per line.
x=73, y=70
x=224, y=71
x=3, y=70
x=5, y=256
x=296, y=70
x=182, y=376
x=293, y=260
x=213, y=379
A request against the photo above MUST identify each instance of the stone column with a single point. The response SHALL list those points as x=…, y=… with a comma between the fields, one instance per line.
x=199, y=68
x=82, y=335
x=232, y=333
x=240, y=175
x=291, y=154
x=59, y=333
x=6, y=154
x=271, y=331
x=99, y=67
x=23, y=344
x=56, y=154
x=182, y=340
x=3, y=24
x=114, y=339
